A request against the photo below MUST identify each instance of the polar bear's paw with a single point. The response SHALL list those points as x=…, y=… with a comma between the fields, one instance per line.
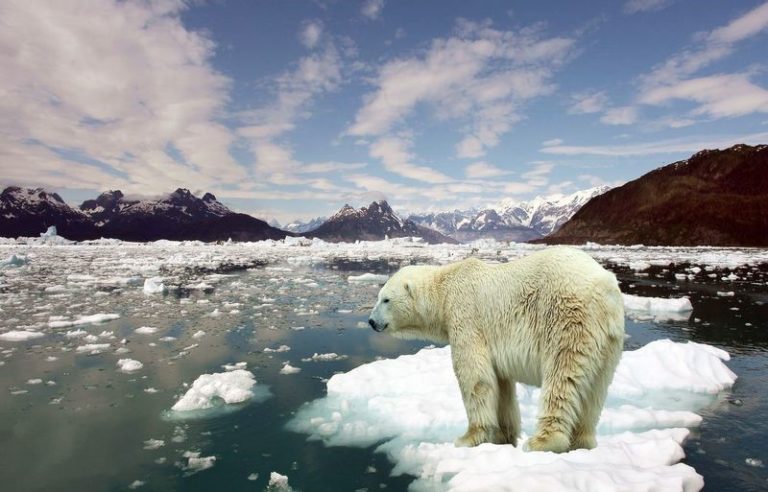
x=478, y=435
x=556, y=442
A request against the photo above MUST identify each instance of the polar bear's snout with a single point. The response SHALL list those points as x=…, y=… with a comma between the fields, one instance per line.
x=377, y=326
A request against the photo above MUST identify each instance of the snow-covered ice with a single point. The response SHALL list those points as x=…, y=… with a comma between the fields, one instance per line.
x=146, y=330
x=20, y=335
x=228, y=387
x=196, y=463
x=289, y=369
x=129, y=365
x=324, y=357
x=151, y=444
x=154, y=285
x=412, y=404
x=83, y=320
x=657, y=308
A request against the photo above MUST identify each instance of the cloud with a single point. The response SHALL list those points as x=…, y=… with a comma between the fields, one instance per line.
x=719, y=96
x=394, y=153
x=635, y=6
x=483, y=170
x=554, y=141
x=671, y=146
x=624, y=115
x=124, y=96
x=311, y=32
x=588, y=102
x=371, y=9
x=480, y=77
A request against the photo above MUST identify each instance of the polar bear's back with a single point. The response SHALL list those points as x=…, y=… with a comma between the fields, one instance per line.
x=535, y=304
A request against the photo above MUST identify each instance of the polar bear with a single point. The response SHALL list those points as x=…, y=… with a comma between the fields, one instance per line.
x=553, y=319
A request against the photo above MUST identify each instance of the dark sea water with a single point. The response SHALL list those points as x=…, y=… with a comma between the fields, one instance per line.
x=88, y=430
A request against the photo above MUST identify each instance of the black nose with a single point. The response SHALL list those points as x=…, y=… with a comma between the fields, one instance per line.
x=372, y=323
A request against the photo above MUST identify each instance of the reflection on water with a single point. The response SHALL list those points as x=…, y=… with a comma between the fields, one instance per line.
x=84, y=426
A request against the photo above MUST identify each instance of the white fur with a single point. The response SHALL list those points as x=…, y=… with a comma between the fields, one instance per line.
x=554, y=319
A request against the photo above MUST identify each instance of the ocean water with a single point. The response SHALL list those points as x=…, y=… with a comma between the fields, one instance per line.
x=85, y=425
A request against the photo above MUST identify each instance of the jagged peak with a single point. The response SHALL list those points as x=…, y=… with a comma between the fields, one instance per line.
x=209, y=197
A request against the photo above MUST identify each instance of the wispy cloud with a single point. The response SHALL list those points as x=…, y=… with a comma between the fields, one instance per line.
x=588, y=102
x=372, y=9
x=670, y=146
x=482, y=169
x=635, y=6
x=311, y=33
x=481, y=71
x=624, y=115
x=394, y=153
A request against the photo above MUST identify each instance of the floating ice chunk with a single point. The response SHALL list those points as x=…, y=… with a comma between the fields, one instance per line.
x=57, y=322
x=725, y=294
x=754, y=462
x=235, y=366
x=146, y=330
x=153, y=444
x=324, y=357
x=230, y=387
x=154, y=285
x=51, y=232
x=129, y=365
x=278, y=482
x=20, y=335
x=199, y=334
x=368, y=278
x=35, y=381
x=196, y=463
x=13, y=261
x=289, y=369
x=92, y=348
x=136, y=484
x=75, y=333
x=658, y=308
x=413, y=405
x=253, y=476
x=150, y=390
x=167, y=339
x=281, y=348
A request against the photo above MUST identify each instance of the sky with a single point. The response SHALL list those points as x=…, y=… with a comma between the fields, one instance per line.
x=288, y=109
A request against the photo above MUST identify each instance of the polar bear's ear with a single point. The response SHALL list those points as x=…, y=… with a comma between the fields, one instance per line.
x=410, y=288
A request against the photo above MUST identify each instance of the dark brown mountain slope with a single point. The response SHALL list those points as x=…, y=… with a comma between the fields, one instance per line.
x=717, y=198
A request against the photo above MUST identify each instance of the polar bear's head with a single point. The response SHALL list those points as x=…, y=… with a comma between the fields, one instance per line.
x=401, y=304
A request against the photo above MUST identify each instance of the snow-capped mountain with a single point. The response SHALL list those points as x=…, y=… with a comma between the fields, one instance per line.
x=509, y=220
x=29, y=212
x=178, y=216
x=372, y=223
x=300, y=227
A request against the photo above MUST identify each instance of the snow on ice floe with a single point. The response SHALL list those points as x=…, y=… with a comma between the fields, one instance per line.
x=196, y=463
x=209, y=391
x=331, y=356
x=154, y=285
x=289, y=369
x=146, y=330
x=129, y=365
x=412, y=404
x=20, y=335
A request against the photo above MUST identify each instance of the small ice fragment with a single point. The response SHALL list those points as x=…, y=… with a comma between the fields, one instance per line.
x=199, y=334
x=34, y=381
x=136, y=484
x=253, y=476
x=129, y=365
x=75, y=333
x=726, y=294
x=167, y=339
x=146, y=330
x=154, y=285
x=197, y=463
x=236, y=365
x=754, y=462
x=368, y=278
x=324, y=357
x=153, y=444
x=289, y=369
x=231, y=387
x=150, y=390
x=20, y=335
x=92, y=348
x=281, y=348
x=278, y=483
x=51, y=358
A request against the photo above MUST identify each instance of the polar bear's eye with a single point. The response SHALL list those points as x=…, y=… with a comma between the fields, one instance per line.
x=385, y=300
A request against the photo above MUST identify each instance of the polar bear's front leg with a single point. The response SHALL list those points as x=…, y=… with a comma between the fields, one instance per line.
x=480, y=392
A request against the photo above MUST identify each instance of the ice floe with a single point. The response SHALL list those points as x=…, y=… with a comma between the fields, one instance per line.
x=412, y=404
x=210, y=390
x=324, y=357
x=154, y=285
x=129, y=365
x=82, y=320
x=372, y=278
x=146, y=330
x=639, y=307
x=289, y=369
x=20, y=335
x=196, y=463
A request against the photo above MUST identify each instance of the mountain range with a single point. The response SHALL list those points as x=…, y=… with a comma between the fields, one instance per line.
x=177, y=216
x=509, y=220
x=713, y=198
